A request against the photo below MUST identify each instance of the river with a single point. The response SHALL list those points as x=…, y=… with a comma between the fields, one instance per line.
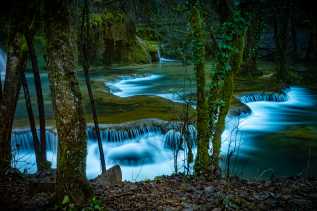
x=276, y=139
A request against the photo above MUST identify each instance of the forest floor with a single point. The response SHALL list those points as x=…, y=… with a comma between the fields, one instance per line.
x=169, y=193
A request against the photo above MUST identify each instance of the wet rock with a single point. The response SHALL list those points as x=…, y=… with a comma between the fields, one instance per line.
x=112, y=176
x=210, y=189
x=262, y=196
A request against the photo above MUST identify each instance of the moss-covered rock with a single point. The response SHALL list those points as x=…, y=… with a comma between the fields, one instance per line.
x=117, y=41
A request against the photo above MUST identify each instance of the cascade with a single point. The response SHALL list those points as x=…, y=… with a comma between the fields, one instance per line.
x=120, y=135
x=159, y=54
x=22, y=140
x=163, y=60
x=3, y=60
x=173, y=139
x=255, y=97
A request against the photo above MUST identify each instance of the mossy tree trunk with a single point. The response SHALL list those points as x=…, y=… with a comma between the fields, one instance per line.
x=16, y=62
x=202, y=158
x=67, y=103
x=225, y=95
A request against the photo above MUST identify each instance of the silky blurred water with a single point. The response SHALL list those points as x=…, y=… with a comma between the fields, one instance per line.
x=3, y=60
x=259, y=143
x=278, y=138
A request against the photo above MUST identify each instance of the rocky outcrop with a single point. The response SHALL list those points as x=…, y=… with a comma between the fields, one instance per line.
x=117, y=42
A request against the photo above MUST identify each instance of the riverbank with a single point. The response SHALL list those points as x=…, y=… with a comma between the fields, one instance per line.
x=169, y=193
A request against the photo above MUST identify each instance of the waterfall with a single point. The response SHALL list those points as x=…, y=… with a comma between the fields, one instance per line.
x=173, y=139
x=163, y=60
x=22, y=140
x=159, y=55
x=3, y=61
x=120, y=135
x=255, y=97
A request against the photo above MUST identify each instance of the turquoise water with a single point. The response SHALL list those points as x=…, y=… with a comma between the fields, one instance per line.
x=278, y=138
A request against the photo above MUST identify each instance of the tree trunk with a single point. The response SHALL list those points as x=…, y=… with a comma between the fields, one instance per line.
x=281, y=40
x=84, y=39
x=16, y=62
x=224, y=94
x=28, y=103
x=39, y=96
x=0, y=89
x=202, y=158
x=293, y=30
x=252, y=40
x=67, y=103
x=312, y=43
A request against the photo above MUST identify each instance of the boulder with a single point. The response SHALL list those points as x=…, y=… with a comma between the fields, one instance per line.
x=112, y=176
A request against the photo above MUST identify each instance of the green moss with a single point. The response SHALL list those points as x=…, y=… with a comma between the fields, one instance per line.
x=152, y=46
x=113, y=109
x=303, y=133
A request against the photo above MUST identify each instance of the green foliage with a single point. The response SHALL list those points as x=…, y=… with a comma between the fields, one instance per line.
x=95, y=205
x=230, y=30
x=228, y=55
x=107, y=16
x=68, y=205
x=199, y=37
x=96, y=20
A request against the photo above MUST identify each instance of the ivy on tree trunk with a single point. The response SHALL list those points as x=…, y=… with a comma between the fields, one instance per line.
x=202, y=159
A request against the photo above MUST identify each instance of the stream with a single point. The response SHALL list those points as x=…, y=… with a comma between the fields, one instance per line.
x=276, y=139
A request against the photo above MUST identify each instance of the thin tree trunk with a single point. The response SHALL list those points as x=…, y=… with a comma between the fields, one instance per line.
x=0, y=89
x=202, y=158
x=84, y=39
x=67, y=103
x=293, y=29
x=252, y=40
x=16, y=62
x=312, y=43
x=281, y=24
x=310, y=46
x=39, y=96
x=29, y=109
